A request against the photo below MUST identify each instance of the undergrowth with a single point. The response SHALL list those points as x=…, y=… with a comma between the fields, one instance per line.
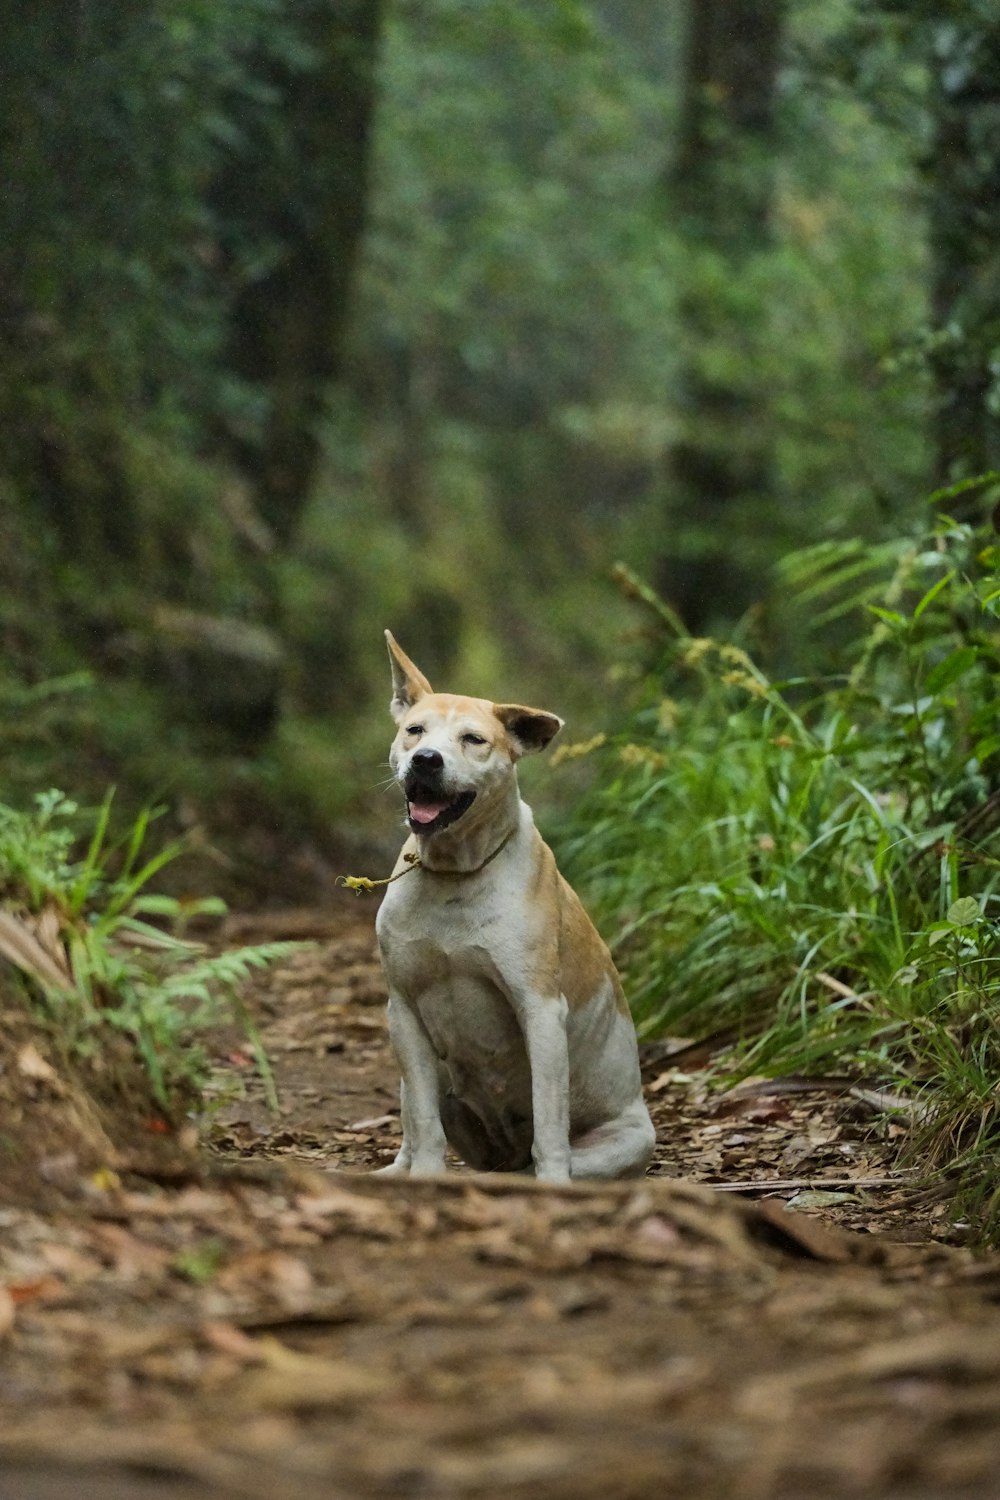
x=808, y=869
x=100, y=953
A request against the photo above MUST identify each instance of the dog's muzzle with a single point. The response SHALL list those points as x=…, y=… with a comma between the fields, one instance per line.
x=429, y=808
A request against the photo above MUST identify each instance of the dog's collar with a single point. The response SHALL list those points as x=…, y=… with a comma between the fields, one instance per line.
x=359, y=883
x=417, y=862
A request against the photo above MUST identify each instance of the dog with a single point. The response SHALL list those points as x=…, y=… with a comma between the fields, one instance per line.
x=506, y=1013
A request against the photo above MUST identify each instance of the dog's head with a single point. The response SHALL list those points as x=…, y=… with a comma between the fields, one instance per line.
x=452, y=752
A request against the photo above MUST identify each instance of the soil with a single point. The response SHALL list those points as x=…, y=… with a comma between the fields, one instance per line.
x=268, y=1320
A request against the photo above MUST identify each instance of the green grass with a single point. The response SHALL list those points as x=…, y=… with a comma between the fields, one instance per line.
x=809, y=869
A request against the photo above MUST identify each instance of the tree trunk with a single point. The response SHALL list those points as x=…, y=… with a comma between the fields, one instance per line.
x=719, y=193
x=288, y=322
x=963, y=170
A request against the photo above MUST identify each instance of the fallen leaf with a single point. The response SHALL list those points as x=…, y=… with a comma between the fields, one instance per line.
x=763, y=1111
x=43, y=1289
x=105, y=1180
x=31, y=1064
x=291, y=1381
x=130, y=1256
x=816, y=1198
x=658, y=1231
x=285, y=1276
x=665, y=1081
x=817, y=1240
x=226, y=1338
x=66, y=1261
x=36, y=953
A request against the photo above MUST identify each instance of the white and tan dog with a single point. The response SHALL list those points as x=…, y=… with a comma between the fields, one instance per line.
x=505, y=1011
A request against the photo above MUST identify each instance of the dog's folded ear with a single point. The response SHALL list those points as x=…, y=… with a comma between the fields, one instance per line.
x=528, y=729
x=408, y=682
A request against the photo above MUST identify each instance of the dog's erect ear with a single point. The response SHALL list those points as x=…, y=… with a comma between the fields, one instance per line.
x=529, y=729
x=408, y=682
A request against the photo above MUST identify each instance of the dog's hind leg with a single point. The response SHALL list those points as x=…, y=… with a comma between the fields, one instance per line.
x=622, y=1147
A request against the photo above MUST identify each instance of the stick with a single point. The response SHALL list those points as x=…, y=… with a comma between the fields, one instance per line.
x=783, y=1184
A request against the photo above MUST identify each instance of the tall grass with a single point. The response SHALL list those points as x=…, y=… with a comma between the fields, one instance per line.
x=811, y=868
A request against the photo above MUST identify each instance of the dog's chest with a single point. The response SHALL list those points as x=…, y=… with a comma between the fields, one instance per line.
x=443, y=956
x=443, y=923
x=450, y=938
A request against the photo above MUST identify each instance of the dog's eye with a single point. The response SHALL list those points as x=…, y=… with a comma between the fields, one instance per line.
x=415, y=729
x=473, y=739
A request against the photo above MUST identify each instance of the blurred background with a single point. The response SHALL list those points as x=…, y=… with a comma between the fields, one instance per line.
x=321, y=316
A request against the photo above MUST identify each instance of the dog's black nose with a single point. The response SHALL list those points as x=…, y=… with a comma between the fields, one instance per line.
x=426, y=760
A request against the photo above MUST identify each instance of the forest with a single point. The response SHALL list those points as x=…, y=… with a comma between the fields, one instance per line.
x=638, y=362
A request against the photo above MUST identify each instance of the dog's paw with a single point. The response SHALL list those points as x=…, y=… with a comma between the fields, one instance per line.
x=554, y=1172
x=427, y=1167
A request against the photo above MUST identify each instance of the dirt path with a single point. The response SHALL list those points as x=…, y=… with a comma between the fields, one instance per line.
x=281, y=1327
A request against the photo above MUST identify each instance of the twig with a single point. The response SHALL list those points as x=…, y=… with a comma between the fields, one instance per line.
x=836, y=985
x=789, y=1184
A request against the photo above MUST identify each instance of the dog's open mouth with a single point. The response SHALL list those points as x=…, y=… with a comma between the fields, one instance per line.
x=429, y=814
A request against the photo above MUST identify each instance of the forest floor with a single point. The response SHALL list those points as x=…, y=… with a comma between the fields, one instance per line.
x=275, y=1323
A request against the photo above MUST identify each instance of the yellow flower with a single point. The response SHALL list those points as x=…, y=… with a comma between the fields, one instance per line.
x=579, y=748
x=696, y=650
x=743, y=680
x=642, y=755
x=666, y=716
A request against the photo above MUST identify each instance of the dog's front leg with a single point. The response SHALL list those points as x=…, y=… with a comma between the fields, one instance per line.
x=422, y=1151
x=543, y=1024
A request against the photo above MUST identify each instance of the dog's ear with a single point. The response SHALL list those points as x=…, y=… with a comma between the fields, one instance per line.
x=408, y=682
x=529, y=729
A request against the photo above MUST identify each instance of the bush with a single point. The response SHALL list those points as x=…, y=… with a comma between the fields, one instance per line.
x=80, y=930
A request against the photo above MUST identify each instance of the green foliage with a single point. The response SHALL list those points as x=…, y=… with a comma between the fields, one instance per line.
x=200, y=1262
x=80, y=927
x=933, y=74
x=514, y=395
x=117, y=123
x=511, y=395
x=813, y=867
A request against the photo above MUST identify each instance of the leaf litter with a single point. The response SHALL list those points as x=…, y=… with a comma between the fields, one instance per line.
x=273, y=1321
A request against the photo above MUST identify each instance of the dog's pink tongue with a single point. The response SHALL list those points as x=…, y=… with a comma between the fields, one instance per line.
x=426, y=812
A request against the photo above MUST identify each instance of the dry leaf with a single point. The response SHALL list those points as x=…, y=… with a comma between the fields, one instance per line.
x=227, y=1339
x=32, y=1064
x=22, y=947
x=275, y=1272
x=6, y=1311
x=105, y=1180
x=131, y=1257
x=41, y=1289
x=291, y=1381
x=817, y=1198
x=800, y=1232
